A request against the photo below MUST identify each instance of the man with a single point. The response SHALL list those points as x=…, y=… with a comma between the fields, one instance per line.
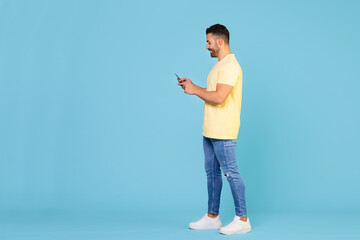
x=220, y=130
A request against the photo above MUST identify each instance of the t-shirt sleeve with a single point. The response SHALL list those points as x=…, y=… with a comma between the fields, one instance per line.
x=228, y=76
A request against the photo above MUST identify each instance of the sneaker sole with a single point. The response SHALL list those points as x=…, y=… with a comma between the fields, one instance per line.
x=195, y=228
x=238, y=232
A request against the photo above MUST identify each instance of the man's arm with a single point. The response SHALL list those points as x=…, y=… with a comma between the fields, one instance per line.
x=212, y=97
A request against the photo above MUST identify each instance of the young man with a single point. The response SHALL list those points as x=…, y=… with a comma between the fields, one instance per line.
x=220, y=130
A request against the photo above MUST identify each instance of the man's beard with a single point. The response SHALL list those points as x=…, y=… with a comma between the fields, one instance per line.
x=213, y=53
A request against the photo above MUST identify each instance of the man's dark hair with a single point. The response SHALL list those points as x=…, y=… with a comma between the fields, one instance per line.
x=220, y=31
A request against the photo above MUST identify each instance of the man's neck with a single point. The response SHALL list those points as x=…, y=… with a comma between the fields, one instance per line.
x=224, y=54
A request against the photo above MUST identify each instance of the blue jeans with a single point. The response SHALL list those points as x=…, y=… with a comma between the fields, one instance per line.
x=220, y=155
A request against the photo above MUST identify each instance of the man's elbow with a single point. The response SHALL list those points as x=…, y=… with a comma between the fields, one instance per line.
x=219, y=100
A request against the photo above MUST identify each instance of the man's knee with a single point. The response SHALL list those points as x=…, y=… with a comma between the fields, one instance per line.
x=212, y=172
x=230, y=175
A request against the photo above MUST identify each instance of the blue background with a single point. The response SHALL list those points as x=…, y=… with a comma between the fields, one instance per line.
x=96, y=134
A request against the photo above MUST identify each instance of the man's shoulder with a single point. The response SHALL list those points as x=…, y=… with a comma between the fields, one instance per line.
x=231, y=65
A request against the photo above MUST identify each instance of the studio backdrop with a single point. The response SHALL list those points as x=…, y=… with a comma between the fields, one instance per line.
x=92, y=118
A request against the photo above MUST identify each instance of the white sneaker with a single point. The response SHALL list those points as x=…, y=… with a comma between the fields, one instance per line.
x=206, y=223
x=236, y=226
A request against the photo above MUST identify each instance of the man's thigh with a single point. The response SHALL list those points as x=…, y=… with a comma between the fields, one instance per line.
x=225, y=153
x=211, y=162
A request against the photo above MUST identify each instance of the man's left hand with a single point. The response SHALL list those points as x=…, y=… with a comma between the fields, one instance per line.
x=188, y=86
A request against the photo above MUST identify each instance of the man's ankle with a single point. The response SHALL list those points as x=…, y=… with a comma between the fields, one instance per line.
x=212, y=215
x=244, y=219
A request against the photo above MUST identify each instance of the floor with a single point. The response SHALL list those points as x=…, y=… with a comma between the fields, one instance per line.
x=90, y=226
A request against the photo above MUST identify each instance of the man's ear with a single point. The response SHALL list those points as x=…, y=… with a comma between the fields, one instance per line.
x=219, y=41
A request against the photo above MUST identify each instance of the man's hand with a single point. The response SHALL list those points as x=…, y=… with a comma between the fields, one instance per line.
x=187, y=85
x=216, y=97
x=190, y=88
x=184, y=80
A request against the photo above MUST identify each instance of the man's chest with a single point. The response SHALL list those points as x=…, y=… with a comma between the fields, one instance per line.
x=212, y=79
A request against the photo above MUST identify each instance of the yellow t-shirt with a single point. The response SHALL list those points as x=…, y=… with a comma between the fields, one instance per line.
x=223, y=121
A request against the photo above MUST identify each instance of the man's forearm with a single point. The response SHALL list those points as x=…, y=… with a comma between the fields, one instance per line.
x=210, y=97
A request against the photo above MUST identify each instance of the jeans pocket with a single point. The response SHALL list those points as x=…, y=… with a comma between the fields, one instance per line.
x=230, y=143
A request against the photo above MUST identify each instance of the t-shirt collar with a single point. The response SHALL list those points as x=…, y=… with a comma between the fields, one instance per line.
x=230, y=54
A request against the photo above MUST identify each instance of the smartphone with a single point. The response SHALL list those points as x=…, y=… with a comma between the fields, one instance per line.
x=178, y=77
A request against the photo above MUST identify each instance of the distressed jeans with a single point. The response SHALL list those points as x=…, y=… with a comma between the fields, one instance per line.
x=220, y=155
